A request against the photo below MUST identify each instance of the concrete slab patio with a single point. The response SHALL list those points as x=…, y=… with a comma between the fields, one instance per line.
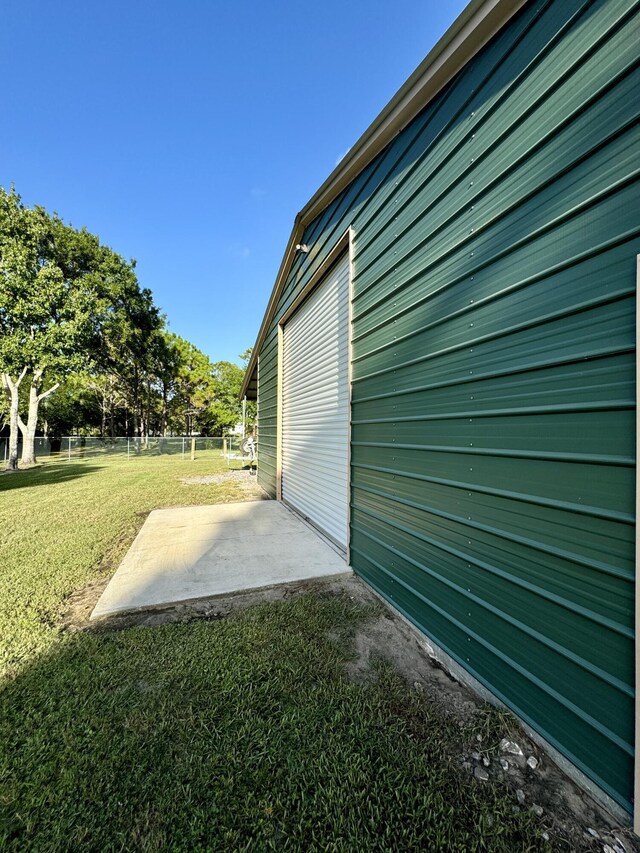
x=202, y=551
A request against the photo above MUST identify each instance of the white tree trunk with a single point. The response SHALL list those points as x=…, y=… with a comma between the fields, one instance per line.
x=29, y=430
x=12, y=391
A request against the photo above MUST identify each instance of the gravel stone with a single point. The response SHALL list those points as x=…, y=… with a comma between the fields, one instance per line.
x=510, y=746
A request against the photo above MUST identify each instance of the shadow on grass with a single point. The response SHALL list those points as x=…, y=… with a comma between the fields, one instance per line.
x=41, y=475
x=235, y=734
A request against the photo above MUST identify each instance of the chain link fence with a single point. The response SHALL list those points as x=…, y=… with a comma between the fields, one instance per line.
x=76, y=447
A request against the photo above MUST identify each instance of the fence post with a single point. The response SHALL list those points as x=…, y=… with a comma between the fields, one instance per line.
x=193, y=449
x=69, y=449
x=128, y=448
x=183, y=447
x=224, y=447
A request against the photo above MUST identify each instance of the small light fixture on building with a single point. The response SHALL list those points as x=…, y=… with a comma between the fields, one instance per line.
x=302, y=247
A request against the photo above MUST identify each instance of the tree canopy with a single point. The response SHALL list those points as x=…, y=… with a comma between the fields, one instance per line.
x=74, y=320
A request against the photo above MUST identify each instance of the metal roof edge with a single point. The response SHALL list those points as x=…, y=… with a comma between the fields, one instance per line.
x=471, y=30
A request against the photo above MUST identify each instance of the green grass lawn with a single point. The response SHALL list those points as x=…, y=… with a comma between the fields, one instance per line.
x=235, y=734
x=65, y=523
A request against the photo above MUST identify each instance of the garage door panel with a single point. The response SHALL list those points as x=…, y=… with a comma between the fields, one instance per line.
x=315, y=406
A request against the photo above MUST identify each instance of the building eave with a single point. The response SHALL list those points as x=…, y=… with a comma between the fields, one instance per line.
x=468, y=34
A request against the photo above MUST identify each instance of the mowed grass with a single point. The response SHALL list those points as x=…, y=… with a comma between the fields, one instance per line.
x=63, y=524
x=234, y=734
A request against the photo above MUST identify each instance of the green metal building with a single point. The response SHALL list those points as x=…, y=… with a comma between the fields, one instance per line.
x=446, y=371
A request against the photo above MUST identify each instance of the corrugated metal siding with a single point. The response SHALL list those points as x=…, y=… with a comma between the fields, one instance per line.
x=493, y=417
x=315, y=406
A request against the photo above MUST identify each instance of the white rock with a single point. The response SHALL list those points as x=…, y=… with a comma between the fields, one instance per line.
x=481, y=773
x=607, y=849
x=510, y=746
x=545, y=835
x=592, y=832
x=538, y=810
x=486, y=761
x=532, y=762
x=476, y=756
x=520, y=796
x=504, y=764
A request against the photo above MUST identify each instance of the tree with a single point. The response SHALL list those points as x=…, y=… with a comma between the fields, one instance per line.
x=83, y=403
x=166, y=367
x=227, y=406
x=62, y=296
x=42, y=316
x=128, y=336
x=194, y=387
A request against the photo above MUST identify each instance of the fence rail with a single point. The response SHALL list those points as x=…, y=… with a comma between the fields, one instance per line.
x=74, y=447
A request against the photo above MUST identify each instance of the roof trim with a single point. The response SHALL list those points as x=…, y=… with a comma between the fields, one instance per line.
x=471, y=30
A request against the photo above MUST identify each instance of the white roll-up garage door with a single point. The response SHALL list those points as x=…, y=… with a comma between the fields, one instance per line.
x=315, y=406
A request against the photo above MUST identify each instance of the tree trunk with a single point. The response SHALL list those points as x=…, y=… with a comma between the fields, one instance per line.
x=136, y=401
x=112, y=414
x=163, y=427
x=29, y=430
x=11, y=389
x=148, y=415
x=103, y=413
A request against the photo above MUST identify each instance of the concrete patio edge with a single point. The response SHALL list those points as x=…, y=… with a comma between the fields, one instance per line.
x=184, y=554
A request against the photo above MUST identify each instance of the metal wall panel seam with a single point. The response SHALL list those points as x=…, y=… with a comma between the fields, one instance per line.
x=541, y=275
x=464, y=556
x=510, y=167
x=545, y=688
x=522, y=712
x=603, y=352
x=584, y=305
x=562, y=651
x=549, y=456
x=480, y=339
x=627, y=181
x=451, y=123
x=596, y=565
x=521, y=497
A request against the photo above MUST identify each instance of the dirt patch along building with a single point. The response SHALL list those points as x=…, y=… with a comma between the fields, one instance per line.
x=445, y=373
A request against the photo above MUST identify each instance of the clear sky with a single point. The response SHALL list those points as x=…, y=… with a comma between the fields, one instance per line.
x=189, y=134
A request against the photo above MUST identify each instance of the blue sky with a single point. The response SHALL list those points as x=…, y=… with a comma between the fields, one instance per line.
x=188, y=135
